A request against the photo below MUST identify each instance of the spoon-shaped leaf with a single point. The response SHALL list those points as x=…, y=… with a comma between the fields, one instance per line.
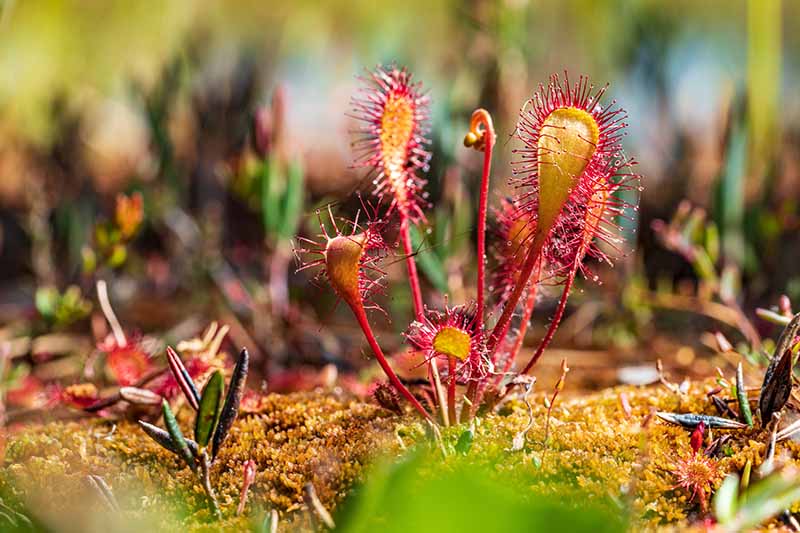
x=176, y=435
x=232, y=401
x=208, y=414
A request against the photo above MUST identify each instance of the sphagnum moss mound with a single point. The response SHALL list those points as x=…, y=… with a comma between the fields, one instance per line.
x=595, y=449
x=293, y=439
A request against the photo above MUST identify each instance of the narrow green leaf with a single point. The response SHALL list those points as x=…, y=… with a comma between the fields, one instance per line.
x=765, y=499
x=271, y=193
x=164, y=440
x=429, y=263
x=725, y=499
x=232, y=401
x=176, y=435
x=292, y=201
x=741, y=394
x=208, y=413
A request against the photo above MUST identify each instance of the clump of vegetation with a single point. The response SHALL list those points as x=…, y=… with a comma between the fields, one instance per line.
x=213, y=421
x=568, y=177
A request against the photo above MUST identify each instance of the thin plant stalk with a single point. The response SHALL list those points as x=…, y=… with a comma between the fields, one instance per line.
x=503, y=323
x=481, y=117
x=451, y=389
x=530, y=304
x=419, y=308
x=551, y=330
x=411, y=265
x=108, y=312
x=361, y=317
x=433, y=375
x=205, y=466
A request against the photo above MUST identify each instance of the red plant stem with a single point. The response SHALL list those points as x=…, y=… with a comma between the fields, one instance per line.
x=481, y=117
x=562, y=304
x=476, y=392
x=419, y=309
x=451, y=389
x=361, y=317
x=501, y=328
x=411, y=265
x=523, y=329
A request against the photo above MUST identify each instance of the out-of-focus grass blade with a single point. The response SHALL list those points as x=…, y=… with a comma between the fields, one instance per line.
x=292, y=201
x=430, y=263
x=208, y=413
x=725, y=499
x=271, y=194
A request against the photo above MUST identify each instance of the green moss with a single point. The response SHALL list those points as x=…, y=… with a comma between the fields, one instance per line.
x=595, y=449
x=293, y=439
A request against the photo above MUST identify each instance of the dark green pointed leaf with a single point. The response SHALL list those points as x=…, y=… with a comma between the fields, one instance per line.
x=208, y=413
x=176, y=435
x=741, y=394
x=163, y=438
x=691, y=420
x=232, y=401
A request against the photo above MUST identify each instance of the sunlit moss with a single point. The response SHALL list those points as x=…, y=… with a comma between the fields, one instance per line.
x=595, y=450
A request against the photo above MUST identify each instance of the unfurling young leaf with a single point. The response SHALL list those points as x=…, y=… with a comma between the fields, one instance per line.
x=176, y=435
x=208, y=414
x=232, y=401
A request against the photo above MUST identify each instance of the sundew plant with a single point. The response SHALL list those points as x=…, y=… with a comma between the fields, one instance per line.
x=567, y=177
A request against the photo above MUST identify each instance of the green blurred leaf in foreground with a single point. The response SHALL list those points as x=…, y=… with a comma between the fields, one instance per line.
x=415, y=496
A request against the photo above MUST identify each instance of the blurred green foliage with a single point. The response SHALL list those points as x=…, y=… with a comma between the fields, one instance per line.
x=416, y=495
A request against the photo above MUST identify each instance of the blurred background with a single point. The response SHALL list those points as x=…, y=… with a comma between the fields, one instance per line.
x=229, y=119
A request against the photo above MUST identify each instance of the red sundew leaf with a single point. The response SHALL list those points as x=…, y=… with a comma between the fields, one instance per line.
x=696, y=440
x=81, y=395
x=183, y=379
x=128, y=364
